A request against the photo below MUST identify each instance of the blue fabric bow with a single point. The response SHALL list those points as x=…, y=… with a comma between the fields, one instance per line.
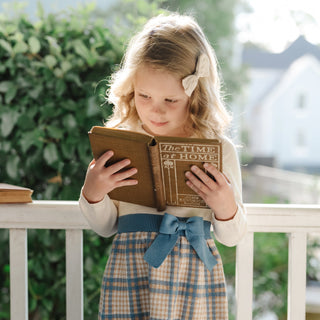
x=170, y=230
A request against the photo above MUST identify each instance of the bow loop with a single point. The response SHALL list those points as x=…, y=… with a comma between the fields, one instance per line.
x=190, y=82
x=169, y=232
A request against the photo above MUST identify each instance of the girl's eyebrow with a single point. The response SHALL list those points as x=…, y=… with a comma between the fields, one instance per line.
x=172, y=97
x=140, y=90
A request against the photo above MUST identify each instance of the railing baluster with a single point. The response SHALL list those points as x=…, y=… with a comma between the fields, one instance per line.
x=18, y=274
x=74, y=274
x=244, y=277
x=297, y=276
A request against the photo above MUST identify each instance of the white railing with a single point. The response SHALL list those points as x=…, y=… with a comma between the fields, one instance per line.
x=295, y=220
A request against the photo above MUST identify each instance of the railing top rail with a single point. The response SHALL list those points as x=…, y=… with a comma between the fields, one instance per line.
x=66, y=215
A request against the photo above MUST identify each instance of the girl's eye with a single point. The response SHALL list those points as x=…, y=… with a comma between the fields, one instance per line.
x=171, y=100
x=144, y=96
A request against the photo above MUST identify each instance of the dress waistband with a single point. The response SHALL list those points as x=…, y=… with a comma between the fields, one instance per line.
x=151, y=223
x=169, y=228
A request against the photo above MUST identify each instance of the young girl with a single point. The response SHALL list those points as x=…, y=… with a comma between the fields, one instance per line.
x=165, y=265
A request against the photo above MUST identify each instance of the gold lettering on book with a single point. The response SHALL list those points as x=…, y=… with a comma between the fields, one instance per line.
x=187, y=148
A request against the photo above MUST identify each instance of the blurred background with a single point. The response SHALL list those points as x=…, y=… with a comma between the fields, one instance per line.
x=55, y=60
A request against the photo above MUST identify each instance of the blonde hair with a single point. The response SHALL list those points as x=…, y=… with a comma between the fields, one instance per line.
x=173, y=43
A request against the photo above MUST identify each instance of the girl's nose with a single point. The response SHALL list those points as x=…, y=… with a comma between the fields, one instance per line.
x=157, y=107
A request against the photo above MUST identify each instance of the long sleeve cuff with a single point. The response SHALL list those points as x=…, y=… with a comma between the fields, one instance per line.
x=102, y=216
x=230, y=232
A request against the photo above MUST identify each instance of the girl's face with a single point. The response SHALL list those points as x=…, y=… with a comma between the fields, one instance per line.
x=161, y=102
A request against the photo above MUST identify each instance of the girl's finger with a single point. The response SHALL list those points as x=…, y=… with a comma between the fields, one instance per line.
x=114, y=168
x=104, y=158
x=127, y=182
x=198, y=184
x=195, y=189
x=208, y=181
x=125, y=174
x=218, y=176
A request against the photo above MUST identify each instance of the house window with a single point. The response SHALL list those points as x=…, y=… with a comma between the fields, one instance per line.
x=301, y=139
x=301, y=103
x=301, y=147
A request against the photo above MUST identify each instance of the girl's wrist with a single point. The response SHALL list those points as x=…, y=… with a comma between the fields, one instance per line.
x=91, y=201
x=228, y=218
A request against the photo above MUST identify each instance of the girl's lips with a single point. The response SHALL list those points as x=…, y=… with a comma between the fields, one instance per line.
x=158, y=124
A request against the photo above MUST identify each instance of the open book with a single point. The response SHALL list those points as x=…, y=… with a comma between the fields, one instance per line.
x=14, y=194
x=161, y=162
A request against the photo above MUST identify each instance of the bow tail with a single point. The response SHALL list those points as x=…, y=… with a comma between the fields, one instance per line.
x=200, y=246
x=159, y=249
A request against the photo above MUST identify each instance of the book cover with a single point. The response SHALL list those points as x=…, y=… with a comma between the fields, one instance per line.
x=14, y=194
x=161, y=162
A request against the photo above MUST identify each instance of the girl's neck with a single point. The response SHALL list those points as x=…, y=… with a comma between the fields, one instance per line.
x=186, y=133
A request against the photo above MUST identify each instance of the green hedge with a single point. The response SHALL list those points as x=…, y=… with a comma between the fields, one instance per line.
x=52, y=84
x=49, y=98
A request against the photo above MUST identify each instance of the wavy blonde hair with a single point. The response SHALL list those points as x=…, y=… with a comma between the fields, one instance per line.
x=172, y=43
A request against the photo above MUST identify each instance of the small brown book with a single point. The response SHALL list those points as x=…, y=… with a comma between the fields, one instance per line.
x=14, y=194
x=161, y=162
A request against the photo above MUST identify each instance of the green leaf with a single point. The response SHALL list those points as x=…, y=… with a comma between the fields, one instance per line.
x=25, y=122
x=6, y=85
x=50, y=154
x=12, y=167
x=10, y=94
x=34, y=44
x=27, y=140
x=74, y=78
x=20, y=47
x=8, y=121
x=50, y=61
x=60, y=87
x=50, y=191
x=33, y=304
x=48, y=304
x=92, y=107
x=58, y=72
x=69, y=121
x=55, y=132
x=6, y=45
x=89, y=56
x=54, y=47
x=65, y=66
x=67, y=151
x=35, y=92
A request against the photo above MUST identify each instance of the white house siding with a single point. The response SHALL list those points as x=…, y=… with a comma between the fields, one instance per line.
x=297, y=129
x=258, y=120
x=279, y=128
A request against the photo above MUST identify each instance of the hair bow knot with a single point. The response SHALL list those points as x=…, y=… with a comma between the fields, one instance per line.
x=190, y=82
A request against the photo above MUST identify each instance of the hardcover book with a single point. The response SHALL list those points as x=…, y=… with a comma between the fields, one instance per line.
x=161, y=162
x=14, y=194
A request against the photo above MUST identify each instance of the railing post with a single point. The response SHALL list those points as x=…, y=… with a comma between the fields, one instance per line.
x=297, y=276
x=18, y=274
x=74, y=274
x=244, y=277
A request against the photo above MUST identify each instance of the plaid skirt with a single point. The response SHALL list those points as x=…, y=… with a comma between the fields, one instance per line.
x=181, y=288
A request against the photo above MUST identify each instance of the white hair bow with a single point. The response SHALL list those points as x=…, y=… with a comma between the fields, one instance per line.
x=190, y=82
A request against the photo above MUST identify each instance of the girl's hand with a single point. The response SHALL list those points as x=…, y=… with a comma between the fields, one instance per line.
x=217, y=194
x=101, y=180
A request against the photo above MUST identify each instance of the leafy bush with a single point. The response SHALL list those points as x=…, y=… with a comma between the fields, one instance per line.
x=49, y=73
x=50, y=95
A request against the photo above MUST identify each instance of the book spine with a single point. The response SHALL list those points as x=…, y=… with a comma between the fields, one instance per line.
x=156, y=173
